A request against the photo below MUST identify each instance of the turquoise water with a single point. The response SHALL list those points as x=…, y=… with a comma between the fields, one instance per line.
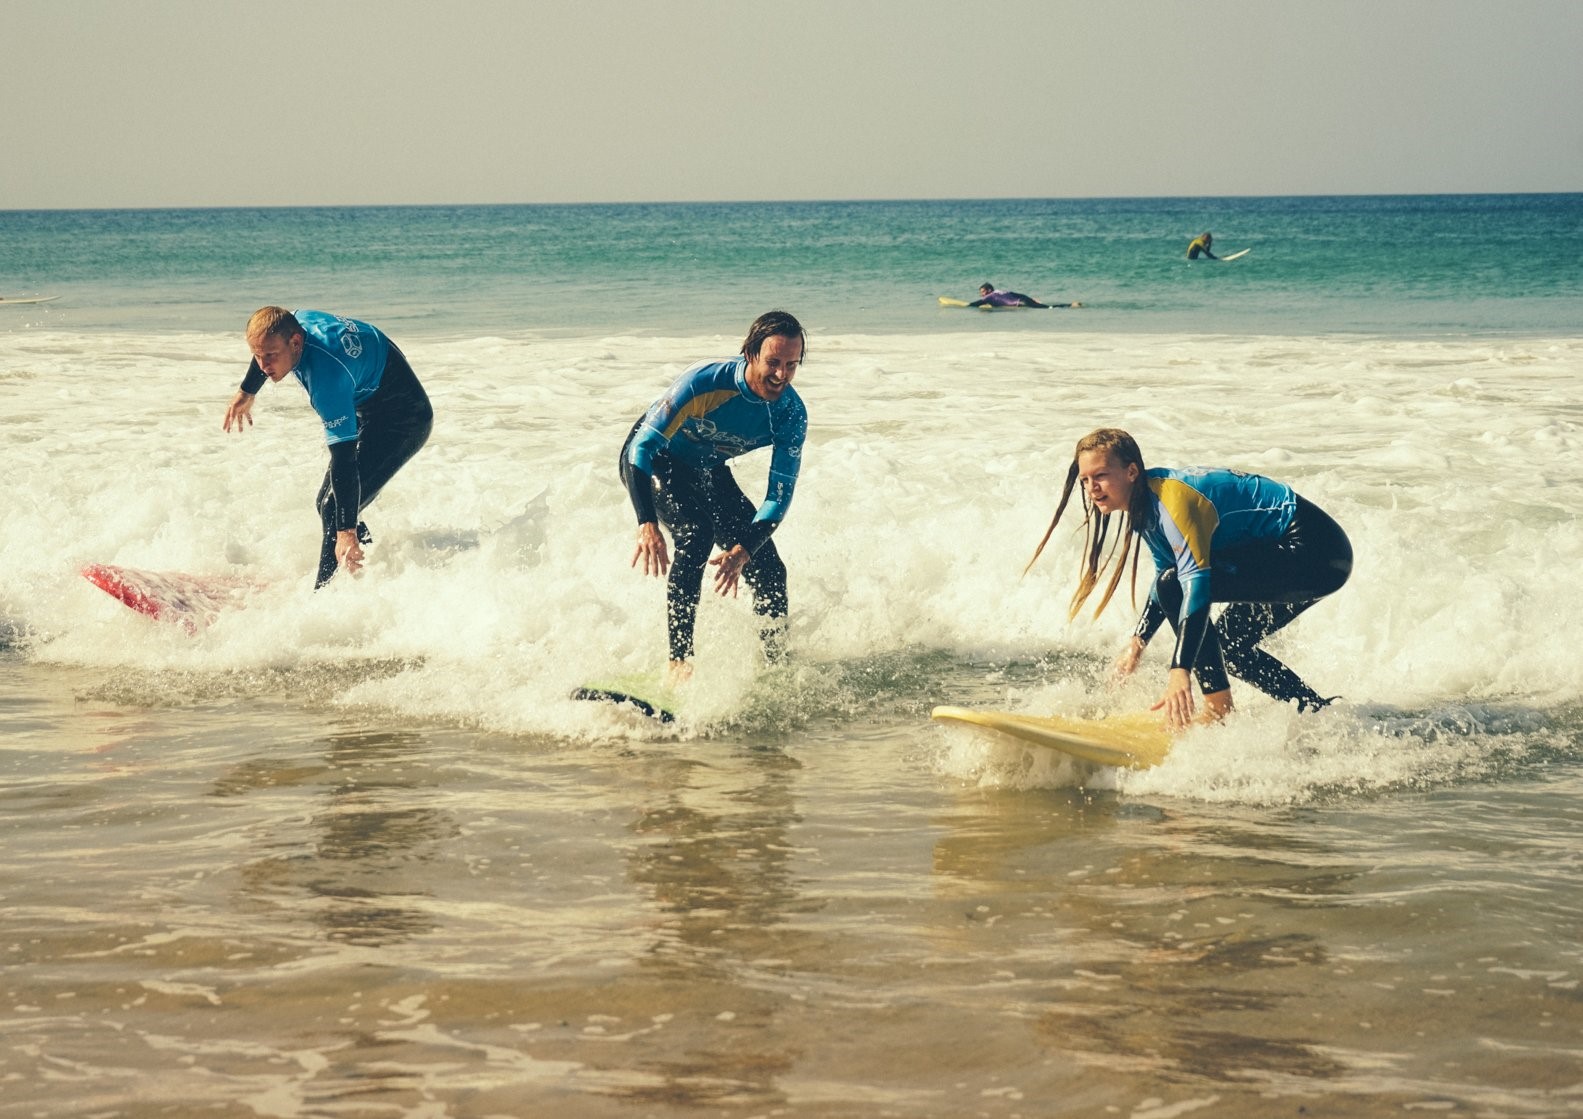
x=1398, y=264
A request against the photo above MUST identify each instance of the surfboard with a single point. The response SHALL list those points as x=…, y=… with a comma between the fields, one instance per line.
x=648, y=693
x=27, y=298
x=190, y=601
x=947, y=301
x=1236, y=255
x=1125, y=741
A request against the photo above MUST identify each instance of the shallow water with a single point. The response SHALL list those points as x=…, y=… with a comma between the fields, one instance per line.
x=288, y=909
x=358, y=854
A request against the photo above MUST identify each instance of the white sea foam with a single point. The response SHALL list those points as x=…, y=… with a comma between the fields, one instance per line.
x=499, y=576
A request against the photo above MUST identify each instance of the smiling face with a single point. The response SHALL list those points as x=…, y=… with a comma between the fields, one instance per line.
x=1106, y=481
x=773, y=367
x=276, y=355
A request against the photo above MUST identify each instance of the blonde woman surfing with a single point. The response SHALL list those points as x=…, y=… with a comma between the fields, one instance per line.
x=1215, y=536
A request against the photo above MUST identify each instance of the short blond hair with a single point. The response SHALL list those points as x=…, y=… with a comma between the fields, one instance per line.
x=278, y=321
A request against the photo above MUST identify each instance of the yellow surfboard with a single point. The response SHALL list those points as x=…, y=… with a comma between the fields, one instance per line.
x=1127, y=741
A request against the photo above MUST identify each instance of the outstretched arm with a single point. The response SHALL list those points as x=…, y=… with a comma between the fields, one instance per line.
x=730, y=562
x=241, y=406
x=1177, y=702
x=651, y=542
x=239, y=410
x=1126, y=662
x=651, y=550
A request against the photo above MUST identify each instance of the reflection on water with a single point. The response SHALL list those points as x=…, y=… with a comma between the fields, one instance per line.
x=1171, y=959
x=290, y=914
x=368, y=844
x=714, y=850
x=714, y=854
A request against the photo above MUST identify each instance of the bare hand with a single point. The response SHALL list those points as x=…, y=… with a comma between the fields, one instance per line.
x=241, y=408
x=730, y=563
x=1177, y=700
x=348, y=552
x=651, y=549
x=1127, y=662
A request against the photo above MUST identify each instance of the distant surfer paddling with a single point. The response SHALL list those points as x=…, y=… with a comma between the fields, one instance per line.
x=991, y=296
x=673, y=464
x=376, y=415
x=1216, y=536
x=1199, y=246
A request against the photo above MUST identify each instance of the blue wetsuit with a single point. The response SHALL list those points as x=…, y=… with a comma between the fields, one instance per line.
x=375, y=414
x=341, y=366
x=1226, y=536
x=674, y=467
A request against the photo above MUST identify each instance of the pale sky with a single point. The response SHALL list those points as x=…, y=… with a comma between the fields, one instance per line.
x=285, y=102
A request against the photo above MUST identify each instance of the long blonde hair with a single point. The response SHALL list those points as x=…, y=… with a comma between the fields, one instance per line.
x=1121, y=446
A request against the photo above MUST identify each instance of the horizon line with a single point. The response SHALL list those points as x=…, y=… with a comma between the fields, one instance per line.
x=780, y=201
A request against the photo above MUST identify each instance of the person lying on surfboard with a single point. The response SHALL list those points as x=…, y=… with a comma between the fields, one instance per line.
x=1200, y=245
x=376, y=414
x=1216, y=536
x=991, y=296
x=673, y=464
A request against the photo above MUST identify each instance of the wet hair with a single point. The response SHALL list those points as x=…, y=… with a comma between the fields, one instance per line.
x=1117, y=444
x=273, y=321
x=986, y=286
x=772, y=324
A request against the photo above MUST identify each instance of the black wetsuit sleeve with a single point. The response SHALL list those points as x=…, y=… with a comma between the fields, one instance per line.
x=640, y=488
x=345, y=484
x=978, y=303
x=1189, y=636
x=757, y=535
x=253, y=379
x=1150, y=622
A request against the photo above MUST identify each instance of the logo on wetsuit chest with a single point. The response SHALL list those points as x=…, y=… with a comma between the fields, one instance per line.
x=701, y=429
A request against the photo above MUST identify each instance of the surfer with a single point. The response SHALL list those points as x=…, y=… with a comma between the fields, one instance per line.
x=376, y=414
x=1200, y=245
x=991, y=296
x=1216, y=536
x=673, y=464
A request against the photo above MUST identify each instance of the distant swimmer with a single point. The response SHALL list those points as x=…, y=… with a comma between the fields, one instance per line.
x=376, y=415
x=1216, y=536
x=673, y=464
x=1200, y=246
x=990, y=296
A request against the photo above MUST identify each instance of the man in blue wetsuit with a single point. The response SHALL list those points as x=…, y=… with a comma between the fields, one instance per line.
x=375, y=413
x=673, y=464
